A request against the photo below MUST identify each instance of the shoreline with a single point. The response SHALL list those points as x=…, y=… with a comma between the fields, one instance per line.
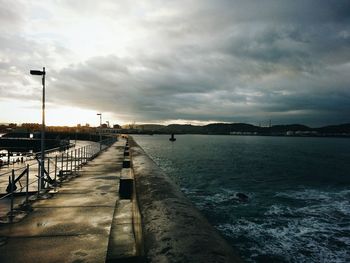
x=249, y=135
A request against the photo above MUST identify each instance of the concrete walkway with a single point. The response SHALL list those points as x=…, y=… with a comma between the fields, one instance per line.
x=75, y=224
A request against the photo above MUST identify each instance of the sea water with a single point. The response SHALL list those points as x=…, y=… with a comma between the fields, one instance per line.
x=299, y=191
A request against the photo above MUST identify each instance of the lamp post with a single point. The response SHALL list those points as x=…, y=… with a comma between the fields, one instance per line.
x=42, y=158
x=100, y=114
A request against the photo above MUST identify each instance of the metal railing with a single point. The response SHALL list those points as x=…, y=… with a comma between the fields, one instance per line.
x=58, y=166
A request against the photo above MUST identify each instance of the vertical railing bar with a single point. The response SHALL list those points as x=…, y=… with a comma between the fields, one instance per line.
x=39, y=167
x=75, y=161
x=48, y=168
x=12, y=194
x=71, y=162
x=55, y=175
x=78, y=159
x=55, y=167
x=27, y=184
x=42, y=175
x=62, y=162
x=67, y=159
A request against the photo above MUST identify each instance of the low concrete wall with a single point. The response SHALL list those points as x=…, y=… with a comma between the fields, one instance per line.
x=173, y=229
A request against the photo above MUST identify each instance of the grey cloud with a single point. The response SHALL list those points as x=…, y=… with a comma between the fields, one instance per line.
x=10, y=18
x=239, y=61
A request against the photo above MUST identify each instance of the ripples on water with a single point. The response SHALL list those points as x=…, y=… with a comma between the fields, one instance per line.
x=298, y=188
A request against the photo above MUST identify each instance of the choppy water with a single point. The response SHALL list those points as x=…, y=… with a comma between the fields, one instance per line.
x=298, y=188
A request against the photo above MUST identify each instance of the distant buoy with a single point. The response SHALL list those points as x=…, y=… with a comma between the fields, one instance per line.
x=172, y=138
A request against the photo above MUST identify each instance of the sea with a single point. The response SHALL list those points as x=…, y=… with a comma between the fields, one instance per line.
x=298, y=188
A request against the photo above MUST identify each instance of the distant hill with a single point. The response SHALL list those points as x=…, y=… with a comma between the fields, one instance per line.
x=342, y=128
x=290, y=127
x=150, y=127
x=213, y=128
x=225, y=128
x=244, y=128
x=183, y=128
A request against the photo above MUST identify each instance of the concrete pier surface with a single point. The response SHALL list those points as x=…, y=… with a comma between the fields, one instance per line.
x=120, y=208
x=173, y=229
x=75, y=224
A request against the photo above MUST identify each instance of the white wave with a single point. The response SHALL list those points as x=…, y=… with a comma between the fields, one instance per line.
x=278, y=210
x=280, y=243
x=314, y=194
x=294, y=240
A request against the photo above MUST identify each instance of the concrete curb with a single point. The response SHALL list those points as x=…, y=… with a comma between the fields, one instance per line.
x=173, y=229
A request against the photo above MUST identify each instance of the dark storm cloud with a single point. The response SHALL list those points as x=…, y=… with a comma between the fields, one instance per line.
x=239, y=61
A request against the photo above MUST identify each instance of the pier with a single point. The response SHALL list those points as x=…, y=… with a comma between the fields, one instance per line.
x=120, y=207
x=74, y=225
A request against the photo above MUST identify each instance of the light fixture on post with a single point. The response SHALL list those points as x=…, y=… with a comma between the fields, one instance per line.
x=100, y=114
x=42, y=158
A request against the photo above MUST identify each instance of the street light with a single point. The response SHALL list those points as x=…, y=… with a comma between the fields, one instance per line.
x=42, y=158
x=100, y=114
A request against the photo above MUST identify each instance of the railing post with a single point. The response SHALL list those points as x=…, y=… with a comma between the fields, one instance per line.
x=12, y=194
x=71, y=161
x=67, y=160
x=27, y=184
x=82, y=156
x=87, y=153
x=48, y=168
x=62, y=161
x=55, y=166
x=78, y=159
x=39, y=167
x=75, y=161
x=42, y=175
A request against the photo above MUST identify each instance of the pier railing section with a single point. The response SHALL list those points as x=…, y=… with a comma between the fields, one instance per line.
x=26, y=184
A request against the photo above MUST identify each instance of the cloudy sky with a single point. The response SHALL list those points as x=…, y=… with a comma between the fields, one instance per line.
x=176, y=61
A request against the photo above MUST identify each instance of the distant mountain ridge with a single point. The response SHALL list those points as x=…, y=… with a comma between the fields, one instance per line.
x=237, y=128
x=342, y=130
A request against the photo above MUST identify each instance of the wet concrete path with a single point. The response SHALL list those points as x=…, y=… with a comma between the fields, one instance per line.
x=75, y=224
